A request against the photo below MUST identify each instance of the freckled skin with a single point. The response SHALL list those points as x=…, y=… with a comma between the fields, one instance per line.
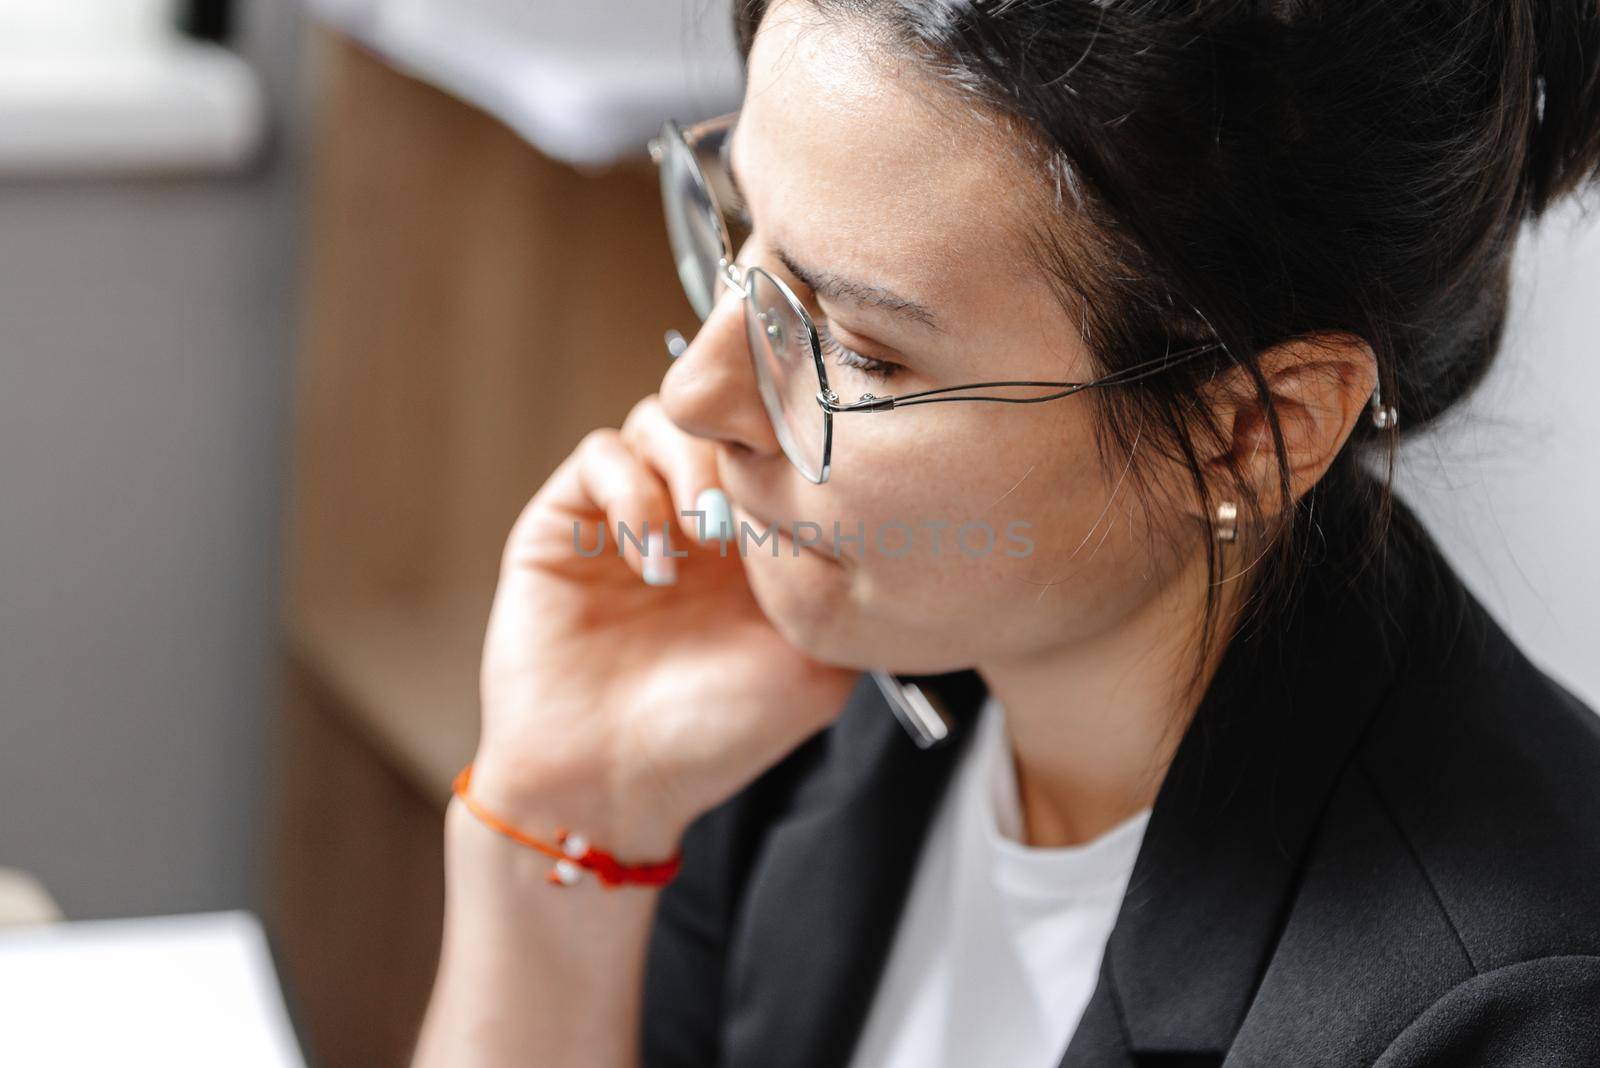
x=852, y=163
x=855, y=164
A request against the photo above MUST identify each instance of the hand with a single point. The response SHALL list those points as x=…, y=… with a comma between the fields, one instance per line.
x=621, y=707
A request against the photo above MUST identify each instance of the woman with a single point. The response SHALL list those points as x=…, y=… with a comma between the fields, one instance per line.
x=1236, y=769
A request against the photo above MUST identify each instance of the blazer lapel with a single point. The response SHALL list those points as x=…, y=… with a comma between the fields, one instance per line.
x=1216, y=872
x=1209, y=889
x=826, y=891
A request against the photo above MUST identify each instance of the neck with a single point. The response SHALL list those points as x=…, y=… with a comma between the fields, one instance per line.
x=1094, y=726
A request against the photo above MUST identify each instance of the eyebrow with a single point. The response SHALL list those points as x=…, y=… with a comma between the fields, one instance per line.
x=836, y=287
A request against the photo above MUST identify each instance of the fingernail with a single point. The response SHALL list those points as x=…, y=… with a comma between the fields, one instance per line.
x=718, y=515
x=659, y=568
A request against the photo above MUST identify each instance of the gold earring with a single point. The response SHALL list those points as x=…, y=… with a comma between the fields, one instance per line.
x=1227, y=526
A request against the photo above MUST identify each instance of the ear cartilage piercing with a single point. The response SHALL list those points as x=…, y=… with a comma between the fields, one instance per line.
x=1227, y=521
x=676, y=345
x=1384, y=416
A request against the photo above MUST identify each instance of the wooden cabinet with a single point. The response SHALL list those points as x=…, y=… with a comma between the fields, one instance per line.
x=469, y=309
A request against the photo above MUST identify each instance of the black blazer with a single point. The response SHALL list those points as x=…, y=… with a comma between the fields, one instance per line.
x=1378, y=843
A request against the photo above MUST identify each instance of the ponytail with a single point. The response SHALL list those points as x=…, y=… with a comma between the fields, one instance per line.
x=1564, y=145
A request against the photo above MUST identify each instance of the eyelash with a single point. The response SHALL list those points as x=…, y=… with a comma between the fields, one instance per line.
x=878, y=370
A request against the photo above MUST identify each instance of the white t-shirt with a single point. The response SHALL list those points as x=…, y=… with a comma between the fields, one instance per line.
x=999, y=946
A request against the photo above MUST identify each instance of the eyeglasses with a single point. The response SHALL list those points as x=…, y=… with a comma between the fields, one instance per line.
x=785, y=348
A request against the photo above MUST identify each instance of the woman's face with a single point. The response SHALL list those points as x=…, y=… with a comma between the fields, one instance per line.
x=856, y=171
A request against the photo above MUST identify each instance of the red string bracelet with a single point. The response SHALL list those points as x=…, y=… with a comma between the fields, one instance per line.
x=572, y=853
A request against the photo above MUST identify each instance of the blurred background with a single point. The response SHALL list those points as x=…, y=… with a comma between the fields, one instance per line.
x=299, y=302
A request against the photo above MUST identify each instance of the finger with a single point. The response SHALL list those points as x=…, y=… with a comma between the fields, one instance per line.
x=688, y=465
x=605, y=478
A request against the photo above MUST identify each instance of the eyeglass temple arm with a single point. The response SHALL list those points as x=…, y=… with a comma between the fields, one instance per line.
x=870, y=403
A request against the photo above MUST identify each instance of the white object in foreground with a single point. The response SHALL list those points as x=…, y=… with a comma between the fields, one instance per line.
x=175, y=991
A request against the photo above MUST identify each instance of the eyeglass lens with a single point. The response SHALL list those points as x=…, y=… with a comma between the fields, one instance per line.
x=779, y=340
x=786, y=373
x=694, y=227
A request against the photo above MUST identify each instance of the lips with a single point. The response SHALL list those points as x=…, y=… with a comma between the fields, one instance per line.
x=755, y=520
x=759, y=525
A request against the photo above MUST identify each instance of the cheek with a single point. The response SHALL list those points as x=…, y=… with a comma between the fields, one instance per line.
x=984, y=545
x=1018, y=531
x=974, y=480
x=1001, y=535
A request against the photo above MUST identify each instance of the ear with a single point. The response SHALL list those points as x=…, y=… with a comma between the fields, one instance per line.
x=1320, y=386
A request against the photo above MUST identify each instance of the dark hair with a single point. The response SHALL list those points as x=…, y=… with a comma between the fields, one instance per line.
x=1252, y=172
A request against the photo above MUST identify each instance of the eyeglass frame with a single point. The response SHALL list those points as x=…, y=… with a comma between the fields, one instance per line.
x=728, y=273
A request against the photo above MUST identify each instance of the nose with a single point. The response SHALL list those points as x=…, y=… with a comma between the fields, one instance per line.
x=710, y=389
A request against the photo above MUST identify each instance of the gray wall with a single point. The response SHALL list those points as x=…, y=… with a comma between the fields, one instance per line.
x=145, y=340
x=1510, y=484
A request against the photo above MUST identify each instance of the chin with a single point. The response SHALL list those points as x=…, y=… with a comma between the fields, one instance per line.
x=807, y=598
x=815, y=606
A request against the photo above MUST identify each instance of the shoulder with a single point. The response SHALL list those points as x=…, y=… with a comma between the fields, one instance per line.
x=1489, y=770
x=1448, y=911
x=1541, y=1011
x=1486, y=771
x=1491, y=780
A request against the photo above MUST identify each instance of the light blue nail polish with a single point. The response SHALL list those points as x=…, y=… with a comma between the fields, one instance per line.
x=718, y=521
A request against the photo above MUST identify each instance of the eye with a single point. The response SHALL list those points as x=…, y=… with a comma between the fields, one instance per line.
x=878, y=370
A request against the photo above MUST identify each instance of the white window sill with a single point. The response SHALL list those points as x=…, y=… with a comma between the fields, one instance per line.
x=168, y=106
